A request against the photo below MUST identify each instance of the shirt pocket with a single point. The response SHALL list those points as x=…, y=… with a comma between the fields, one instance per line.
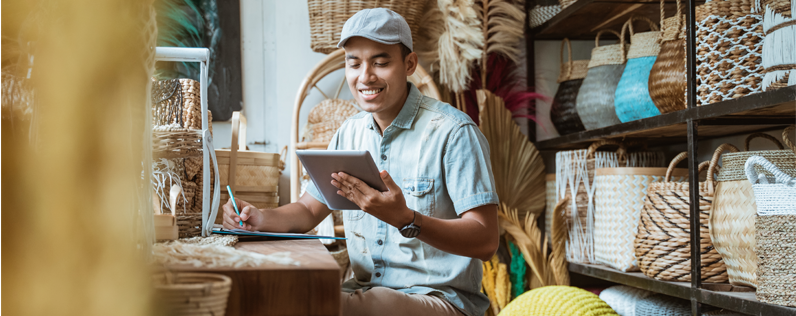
x=354, y=215
x=419, y=194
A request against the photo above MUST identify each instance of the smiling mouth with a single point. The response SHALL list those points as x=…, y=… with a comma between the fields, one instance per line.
x=371, y=91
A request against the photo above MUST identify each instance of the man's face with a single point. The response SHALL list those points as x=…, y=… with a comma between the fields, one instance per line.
x=376, y=74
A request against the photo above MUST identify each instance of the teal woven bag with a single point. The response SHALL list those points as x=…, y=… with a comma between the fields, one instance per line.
x=632, y=97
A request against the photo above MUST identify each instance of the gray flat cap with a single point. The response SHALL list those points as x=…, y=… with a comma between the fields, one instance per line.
x=379, y=25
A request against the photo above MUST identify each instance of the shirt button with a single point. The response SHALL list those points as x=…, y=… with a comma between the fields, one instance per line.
x=383, y=157
x=380, y=242
x=378, y=274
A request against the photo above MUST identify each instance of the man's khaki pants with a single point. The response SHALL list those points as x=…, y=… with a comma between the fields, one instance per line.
x=387, y=302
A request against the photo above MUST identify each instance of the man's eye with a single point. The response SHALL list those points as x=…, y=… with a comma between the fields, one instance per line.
x=381, y=64
x=353, y=65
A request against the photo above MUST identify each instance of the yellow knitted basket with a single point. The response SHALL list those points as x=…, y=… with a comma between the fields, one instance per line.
x=557, y=300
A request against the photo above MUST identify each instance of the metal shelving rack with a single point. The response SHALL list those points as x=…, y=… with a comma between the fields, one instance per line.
x=758, y=112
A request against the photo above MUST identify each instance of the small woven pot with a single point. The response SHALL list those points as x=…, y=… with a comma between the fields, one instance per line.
x=618, y=201
x=632, y=98
x=192, y=293
x=779, y=45
x=732, y=220
x=595, y=102
x=667, y=81
x=662, y=305
x=663, y=244
x=563, y=111
x=623, y=299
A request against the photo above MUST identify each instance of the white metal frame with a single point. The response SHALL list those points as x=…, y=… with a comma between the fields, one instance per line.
x=202, y=56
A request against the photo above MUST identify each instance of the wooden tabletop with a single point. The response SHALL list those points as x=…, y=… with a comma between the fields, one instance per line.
x=311, y=288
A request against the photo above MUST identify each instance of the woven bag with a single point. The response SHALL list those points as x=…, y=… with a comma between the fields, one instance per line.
x=192, y=293
x=328, y=16
x=732, y=222
x=551, y=199
x=618, y=201
x=776, y=232
x=663, y=243
x=595, y=102
x=779, y=45
x=632, y=98
x=667, y=83
x=729, y=40
x=563, y=111
x=662, y=305
x=557, y=300
x=623, y=298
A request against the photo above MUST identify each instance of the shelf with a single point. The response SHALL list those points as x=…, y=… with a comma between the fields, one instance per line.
x=577, y=20
x=742, y=302
x=757, y=112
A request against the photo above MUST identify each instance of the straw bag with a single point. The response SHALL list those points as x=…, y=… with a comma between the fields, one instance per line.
x=595, y=102
x=779, y=45
x=255, y=177
x=192, y=293
x=729, y=42
x=663, y=243
x=563, y=113
x=623, y=299
x=618, y=201
x=328, y=16
x=732, y=223
x=775, y=225
x=632, y=98
x=667, y=83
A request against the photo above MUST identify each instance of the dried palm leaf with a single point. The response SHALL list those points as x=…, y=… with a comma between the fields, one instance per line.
x=450, y=41
x=530, y=247
x=502, y=23
x=517, y=166
x=488, y=283
x=558, y=233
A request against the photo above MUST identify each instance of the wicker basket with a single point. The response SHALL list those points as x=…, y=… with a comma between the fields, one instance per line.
x=328, y=16
x=542, y=13
x=779, y=45
x=662, y=305
x=667, y=83
x=729, y=50
x=663, y=244
x=326, y=117
x=618, y=201
x=192, y=293
x=563, y=112
x=776, y=232
x=632, y=98
x=623, y=299
x=175, y=133
x=595, y=102
x=732, y=221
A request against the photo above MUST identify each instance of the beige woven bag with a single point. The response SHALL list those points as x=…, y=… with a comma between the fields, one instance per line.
x=732, y=222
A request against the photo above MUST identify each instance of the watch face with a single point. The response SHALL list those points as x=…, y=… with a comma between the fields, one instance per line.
x=410, y=231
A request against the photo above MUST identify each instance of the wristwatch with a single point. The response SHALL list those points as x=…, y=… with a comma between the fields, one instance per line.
x=413, y=229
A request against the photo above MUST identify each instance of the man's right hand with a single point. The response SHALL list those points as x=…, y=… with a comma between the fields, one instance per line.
x=251, y=216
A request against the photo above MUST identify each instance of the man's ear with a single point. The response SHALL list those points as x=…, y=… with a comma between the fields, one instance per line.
x=411, y=63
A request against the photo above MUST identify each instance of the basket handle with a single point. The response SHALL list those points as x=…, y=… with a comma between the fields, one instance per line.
x=678, y=14
x=752, y=174
x=597, y=38
x=238, y=140
x=603, y=142
x=569, y=60
x=282, y=156
x=786, y=137
x=761, y=135
x=714, y=162
x=679, y=158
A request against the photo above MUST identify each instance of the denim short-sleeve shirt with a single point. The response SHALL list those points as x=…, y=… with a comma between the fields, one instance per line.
x=440, y=159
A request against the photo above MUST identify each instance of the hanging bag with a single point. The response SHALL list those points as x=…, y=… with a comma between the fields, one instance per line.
x=563, y=113
x=667, y=83
x=632, y=99
x=595, y=101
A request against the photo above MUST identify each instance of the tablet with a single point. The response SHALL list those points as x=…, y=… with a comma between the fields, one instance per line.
x=320, y=164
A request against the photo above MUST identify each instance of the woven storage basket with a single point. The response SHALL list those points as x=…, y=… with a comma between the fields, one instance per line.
x=256, y=175
x=618, y=201
x=326, y=117
x=557, y=300
x=733, y=218
x=328, y=16
x=563, y=112
x=542, y=13
x=595, y=103
x=192, y=293
x=776, y=232
x=175, y=133
x=667, y=83
x=623, y=299
x=662, y=305
x=729, y=41
x=663, y=244
x=551, y=199
x=779, y=45
x=632, y=98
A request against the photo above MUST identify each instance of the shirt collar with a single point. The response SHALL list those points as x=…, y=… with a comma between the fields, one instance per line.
x=408, y=113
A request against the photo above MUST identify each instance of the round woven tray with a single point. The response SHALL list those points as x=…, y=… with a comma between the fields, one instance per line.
x=192, y=293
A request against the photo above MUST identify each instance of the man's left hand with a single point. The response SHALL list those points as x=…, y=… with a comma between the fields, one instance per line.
x=389, y=206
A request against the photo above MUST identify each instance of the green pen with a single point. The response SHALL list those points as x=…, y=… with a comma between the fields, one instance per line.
x=235, y=205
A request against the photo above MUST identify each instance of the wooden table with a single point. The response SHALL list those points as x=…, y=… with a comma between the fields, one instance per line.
x=312, y=288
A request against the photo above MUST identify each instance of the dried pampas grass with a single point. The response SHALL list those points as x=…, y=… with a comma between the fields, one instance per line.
x=450, y=40
x=502, y=23
x=214, y=255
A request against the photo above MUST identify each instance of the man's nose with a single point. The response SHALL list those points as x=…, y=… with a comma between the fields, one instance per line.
x=367, y=75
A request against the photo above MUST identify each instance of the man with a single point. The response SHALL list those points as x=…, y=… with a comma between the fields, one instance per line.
x=414, y=249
